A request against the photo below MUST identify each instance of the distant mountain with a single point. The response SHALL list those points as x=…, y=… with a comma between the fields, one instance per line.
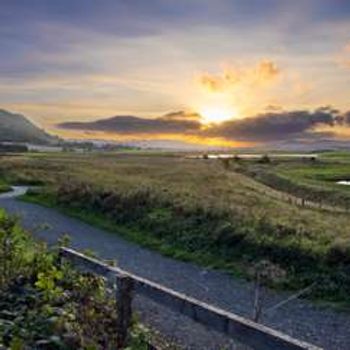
x=17, y=128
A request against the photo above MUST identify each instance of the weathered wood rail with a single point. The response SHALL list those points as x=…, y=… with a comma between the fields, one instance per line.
x=242, y=330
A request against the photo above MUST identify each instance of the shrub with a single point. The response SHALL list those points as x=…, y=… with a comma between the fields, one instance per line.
x=237, y=158
x=225, y=163
x=339, y=253
x=265, y=159
x=44, y=305
x=15, y=250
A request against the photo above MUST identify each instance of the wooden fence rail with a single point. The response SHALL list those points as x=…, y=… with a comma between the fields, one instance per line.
x=246, y=332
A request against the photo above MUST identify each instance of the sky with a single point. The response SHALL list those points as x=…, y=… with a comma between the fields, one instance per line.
x=222, y=71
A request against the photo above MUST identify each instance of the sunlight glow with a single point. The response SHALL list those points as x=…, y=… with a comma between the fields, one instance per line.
x=217, y=114
x=215, y=106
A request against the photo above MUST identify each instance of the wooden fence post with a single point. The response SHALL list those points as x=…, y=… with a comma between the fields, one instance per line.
x=124, y=308
x=60, y=258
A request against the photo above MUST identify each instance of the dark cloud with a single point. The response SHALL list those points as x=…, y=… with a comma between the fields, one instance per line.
x=281, y=125
x=180, y=115
x=267, y=127
x=346, y=118
x=172, y=123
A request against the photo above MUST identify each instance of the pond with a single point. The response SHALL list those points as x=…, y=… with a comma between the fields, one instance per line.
x=254, y=155
x=343, y=182
x=15, y=192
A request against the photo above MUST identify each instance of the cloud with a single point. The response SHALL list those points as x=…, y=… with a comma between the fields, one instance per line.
x=272, y=126
x=343, y=58
x=172, y=123
x=260, y=75
x=346, y=118
x=280, y=125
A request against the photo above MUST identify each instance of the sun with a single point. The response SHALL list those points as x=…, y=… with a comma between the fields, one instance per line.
x=217, y=114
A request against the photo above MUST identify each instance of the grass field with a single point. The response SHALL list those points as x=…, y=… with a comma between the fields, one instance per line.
x=204, y=211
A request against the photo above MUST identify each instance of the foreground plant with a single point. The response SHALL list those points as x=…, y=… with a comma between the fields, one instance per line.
x=46, y=305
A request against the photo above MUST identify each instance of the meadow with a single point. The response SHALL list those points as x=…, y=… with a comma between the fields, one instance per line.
x=216, y=213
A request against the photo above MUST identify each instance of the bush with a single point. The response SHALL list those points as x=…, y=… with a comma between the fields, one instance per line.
x=339, y=253
x=225, y=163
x=44, y=305
x=16, y=251
x=265, y=159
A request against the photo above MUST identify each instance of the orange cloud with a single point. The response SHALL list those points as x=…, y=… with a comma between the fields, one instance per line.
x=242, y=89
x=212, y=83
x=211, y=141
x=343, y=59
x=262, y=74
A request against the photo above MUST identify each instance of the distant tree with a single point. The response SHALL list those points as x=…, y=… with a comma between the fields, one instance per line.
x=225, y=163
x=265, y=159
x=236, y=158
x=7, y=147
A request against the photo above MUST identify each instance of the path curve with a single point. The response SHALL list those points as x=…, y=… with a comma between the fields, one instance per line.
x=15, y=192
x=301, y=319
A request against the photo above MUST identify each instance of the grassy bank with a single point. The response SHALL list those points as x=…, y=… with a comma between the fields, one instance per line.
x=4, y=186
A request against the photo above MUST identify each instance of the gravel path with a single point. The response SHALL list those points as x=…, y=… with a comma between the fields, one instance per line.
x=301, y=319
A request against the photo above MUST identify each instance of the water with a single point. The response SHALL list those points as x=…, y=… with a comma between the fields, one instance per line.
x=15, y=192
x=343, y=182
x=254, y=156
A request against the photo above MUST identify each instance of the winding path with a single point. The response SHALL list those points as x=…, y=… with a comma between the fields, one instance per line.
x=301, y=319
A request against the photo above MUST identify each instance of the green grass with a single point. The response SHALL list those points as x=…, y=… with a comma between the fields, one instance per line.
x=5, y=185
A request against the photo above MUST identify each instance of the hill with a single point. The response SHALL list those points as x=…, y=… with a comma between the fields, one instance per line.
x=17, y=128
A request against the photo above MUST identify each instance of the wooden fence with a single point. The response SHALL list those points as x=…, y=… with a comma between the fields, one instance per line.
x=256, y=336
